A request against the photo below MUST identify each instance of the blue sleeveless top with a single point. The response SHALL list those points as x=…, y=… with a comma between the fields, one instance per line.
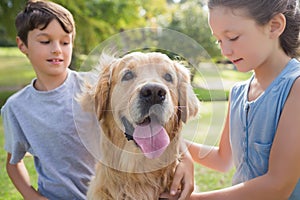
x=253, y=124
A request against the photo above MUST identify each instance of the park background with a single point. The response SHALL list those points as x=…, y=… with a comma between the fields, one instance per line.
x=98, y=20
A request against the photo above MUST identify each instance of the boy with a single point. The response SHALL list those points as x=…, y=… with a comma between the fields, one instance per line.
x=39, y=119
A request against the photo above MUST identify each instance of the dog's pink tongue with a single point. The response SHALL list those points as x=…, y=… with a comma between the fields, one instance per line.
x=152, y=139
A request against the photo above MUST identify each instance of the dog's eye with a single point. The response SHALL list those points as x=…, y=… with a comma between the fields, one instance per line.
x=168, y=77
x=128, y=76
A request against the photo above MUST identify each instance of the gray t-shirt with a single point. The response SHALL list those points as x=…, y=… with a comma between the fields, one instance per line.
x=42, y=123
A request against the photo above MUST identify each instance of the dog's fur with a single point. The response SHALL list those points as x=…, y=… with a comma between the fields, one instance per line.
x=123, y=172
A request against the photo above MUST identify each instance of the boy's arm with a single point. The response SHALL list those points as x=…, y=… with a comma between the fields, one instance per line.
x=20, y=178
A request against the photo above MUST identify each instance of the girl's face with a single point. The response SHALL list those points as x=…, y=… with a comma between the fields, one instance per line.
x=245, y=43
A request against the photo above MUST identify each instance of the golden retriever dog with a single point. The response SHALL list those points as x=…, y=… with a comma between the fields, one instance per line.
x=141, y=101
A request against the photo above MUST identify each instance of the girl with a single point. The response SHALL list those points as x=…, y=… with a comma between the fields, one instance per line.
x=262, y=130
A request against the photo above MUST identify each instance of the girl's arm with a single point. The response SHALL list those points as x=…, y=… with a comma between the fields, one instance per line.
x=284, y=163
x=218, y=158
x=20, y=178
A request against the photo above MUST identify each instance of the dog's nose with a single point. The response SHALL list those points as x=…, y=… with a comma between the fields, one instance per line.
x=153, y=94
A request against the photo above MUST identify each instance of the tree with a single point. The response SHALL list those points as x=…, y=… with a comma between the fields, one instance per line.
x=191, y=19
x=97, y=20
x=8, y=12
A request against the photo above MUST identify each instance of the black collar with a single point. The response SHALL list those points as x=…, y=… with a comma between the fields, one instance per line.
x=129, y=137
x=128, y=129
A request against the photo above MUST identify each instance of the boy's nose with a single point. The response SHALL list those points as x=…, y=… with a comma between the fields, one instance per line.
x=56, y=49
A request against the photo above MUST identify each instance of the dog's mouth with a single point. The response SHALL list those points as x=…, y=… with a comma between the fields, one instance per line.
x=149, y=135
x=145, y=122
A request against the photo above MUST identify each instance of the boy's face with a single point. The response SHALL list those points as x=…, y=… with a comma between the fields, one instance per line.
x=49, y=50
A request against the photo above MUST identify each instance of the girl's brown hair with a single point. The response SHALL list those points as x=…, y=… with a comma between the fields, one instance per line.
x=262, y=11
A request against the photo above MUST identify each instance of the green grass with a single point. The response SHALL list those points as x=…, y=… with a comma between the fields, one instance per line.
x=205, y=129
x=15, y=69
x=15, y=72
x=206, y=179
x=8, y=191
x=211, y=95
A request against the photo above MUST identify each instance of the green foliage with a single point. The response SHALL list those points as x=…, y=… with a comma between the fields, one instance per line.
x=4, y=96
x=16, y=72
x=191, y=19
x=97, y=20
x=8, y=12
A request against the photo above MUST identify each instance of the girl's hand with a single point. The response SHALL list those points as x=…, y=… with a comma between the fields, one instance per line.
x=183, y=179
x=167, y=195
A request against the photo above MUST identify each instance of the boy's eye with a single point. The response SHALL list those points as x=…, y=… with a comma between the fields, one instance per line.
x=45, y=42
x=66, y=43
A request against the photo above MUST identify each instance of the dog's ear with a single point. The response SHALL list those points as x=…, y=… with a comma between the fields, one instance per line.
x=102, y=92
x=94, y=97
x=188, y=102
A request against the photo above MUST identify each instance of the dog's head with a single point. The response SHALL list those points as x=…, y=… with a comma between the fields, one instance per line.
x=146, y=94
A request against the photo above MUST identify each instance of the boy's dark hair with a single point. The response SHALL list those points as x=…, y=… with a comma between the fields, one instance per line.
x=262, y=11
x=38, y=14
